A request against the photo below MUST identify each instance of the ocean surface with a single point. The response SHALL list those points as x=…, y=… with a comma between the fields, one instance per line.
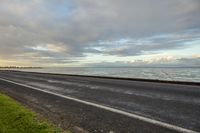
x=172, y=74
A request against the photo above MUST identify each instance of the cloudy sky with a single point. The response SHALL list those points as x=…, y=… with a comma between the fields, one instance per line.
x=100, y=32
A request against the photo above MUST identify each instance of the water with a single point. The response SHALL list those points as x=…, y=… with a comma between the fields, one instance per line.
x=172, y=74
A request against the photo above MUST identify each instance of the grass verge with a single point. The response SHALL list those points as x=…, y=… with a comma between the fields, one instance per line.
x=14, y=118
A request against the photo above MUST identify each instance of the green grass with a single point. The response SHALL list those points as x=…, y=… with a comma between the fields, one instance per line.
x=14, y=118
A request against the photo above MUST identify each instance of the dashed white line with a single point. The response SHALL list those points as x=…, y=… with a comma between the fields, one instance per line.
x=152, y=121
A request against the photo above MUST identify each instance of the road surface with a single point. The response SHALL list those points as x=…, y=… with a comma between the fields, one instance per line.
x=162, y=107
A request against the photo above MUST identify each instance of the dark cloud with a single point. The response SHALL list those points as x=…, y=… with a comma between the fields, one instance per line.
x=132, y=47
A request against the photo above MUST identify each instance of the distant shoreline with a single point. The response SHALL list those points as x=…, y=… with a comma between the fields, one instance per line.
x=16, y=67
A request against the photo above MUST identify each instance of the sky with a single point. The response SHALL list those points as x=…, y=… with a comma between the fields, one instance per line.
x=75, y=33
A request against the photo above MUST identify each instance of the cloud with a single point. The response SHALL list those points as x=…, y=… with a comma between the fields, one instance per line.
x=70, y=29
x=57, y=48
x=190, y=62
x=196, y=56
x=148, y=45
x=165, y=61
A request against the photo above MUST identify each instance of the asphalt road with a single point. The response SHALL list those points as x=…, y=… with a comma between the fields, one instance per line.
x=175, y=104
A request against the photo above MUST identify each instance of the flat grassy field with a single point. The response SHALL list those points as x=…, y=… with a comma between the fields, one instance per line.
x=14, y=118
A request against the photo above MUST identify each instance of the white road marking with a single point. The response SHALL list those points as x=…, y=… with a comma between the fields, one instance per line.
x=152, y=121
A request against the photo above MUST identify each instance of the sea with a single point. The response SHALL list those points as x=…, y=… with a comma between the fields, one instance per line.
x=169, y=74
